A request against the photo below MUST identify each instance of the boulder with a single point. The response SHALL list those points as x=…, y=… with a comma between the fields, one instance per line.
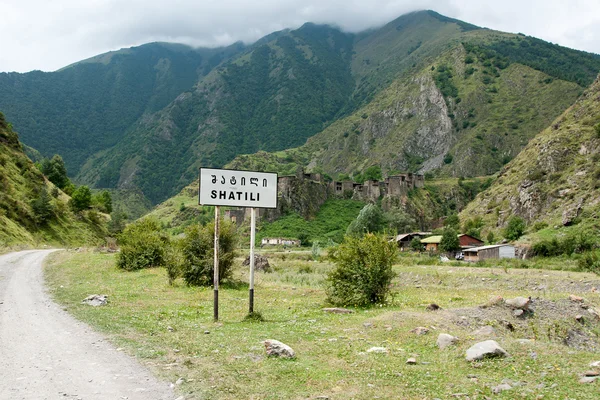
x=444, y=340
x=96, y=300
x=275, y=348
x=520, y=303
x=487, y=349
x=261, y=263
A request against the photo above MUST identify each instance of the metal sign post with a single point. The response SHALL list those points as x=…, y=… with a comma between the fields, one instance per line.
x=223, y=187
x=216, y=266
x=252, y=239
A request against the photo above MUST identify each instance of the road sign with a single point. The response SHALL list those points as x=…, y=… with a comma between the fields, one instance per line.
x=224, y=187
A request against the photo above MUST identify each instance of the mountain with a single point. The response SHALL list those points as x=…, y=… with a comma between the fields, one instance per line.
x=466, y=112
x=423, y=93
x=554, y=183
x=88, y=107
x=32, y=210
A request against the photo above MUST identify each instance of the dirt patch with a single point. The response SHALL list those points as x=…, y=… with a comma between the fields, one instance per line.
x=556, y=321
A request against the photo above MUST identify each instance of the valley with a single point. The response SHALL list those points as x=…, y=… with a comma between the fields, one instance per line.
x=438, y=193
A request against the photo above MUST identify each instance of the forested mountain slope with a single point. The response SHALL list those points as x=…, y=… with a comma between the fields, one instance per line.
x=88, y=106
x=32, y=210
x=555, y=180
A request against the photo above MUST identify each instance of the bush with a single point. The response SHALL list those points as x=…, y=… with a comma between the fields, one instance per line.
x=197, y=250
x=590, y=262
x=143, y=245
x=515, y=228
x=363, y=271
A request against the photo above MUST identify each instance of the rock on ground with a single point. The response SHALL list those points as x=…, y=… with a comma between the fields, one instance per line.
x=275, y=348
x=521, y=303
x=420, y=330
x=96, y=300
x=486, y=349
x=444, y=340
x=261, y=263
x=337, y=310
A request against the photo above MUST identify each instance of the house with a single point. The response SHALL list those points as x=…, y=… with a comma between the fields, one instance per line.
x=467, y=241
x=432, y=243
x=279, y=242
x=495, y=251
x=403, y=240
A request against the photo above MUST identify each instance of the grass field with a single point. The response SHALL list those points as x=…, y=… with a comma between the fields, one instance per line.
x=170, y=329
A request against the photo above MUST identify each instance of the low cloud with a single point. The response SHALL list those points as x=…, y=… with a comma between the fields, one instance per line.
x=49, y=35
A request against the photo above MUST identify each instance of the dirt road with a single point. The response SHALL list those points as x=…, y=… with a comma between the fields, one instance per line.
x=46, y=354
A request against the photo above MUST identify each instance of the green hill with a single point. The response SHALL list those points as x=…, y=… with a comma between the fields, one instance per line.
x=32, y=210
x=554, y=183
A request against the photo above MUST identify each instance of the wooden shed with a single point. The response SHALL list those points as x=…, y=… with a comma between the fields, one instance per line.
x=495, y=251
x=467, y=241
x=404, y=239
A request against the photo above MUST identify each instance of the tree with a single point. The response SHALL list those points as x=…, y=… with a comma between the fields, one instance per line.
x=363, y=271
x=416, y=245
x=449, y=240
x=373, y=173
x=515, y=228
x=398, y=220
x=42, y=207
x=103, y=201
x=473, y=226
x=81, y=199
x=370, y=219
x=55, y=171
x=452, y=221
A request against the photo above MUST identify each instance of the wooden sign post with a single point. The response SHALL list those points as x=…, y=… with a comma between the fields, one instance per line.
x=224, y=187
x=216, y=266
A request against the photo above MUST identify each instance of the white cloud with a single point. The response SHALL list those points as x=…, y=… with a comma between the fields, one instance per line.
x=38, y=34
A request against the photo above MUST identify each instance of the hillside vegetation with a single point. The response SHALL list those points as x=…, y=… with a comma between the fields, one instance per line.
x=33, y=210
x=554, y=182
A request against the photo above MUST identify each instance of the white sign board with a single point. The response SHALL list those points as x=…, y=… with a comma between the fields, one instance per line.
x=224, y=187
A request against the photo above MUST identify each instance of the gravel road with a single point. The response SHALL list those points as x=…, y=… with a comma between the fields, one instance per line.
x=46, y=354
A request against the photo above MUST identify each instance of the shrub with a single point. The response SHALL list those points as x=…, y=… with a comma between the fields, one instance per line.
x=515, y=228
x=363, y=271
x=197, y=250
x=143, y=245
x=590, y=262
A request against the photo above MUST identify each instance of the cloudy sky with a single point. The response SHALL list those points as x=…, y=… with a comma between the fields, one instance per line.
x=47, y=35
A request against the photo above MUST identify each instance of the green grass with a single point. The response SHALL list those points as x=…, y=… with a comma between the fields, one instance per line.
x=230, y=362
x=331, y=222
